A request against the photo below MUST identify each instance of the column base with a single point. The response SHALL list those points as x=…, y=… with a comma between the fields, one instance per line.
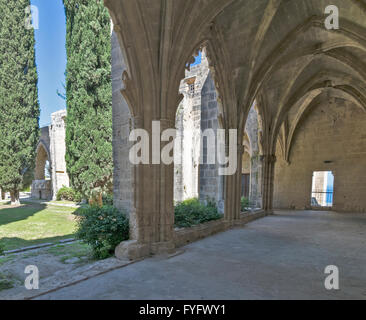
x=133, y=250
x=163, y=247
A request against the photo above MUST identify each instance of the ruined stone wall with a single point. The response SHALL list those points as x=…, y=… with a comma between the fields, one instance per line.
x=188, y=140
x=178, y=163
x=211, y=184
x=252, y=128
x=197, y=111
x=122, y=175
x=42, y=188
x=43, y=154
x=332, y=132
x=51, y=147
x=57, y=133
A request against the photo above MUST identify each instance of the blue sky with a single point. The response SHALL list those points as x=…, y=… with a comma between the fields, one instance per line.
x=198, y=59
x=50, y=56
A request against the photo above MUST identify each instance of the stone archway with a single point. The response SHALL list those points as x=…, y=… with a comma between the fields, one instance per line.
x=42, y=184
x=51, y=150
x=278, y=61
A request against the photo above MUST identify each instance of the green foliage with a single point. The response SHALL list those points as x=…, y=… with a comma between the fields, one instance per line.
x=89, y=156
x=244, y=203
x=28, y=177
x=108, y=199
x=5, y=282
x=19, y=108
x=69, y=194
x=191, y=212
x=103, y=228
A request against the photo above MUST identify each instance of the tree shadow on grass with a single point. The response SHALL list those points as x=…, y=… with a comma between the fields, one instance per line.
x=50, y=227
x=9, y=214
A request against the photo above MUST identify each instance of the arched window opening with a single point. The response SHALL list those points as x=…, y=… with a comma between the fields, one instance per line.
x=251, y=195
x=196, y=171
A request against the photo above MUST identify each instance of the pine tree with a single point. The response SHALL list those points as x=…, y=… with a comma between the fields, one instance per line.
x=19, y=108
x=89, y=155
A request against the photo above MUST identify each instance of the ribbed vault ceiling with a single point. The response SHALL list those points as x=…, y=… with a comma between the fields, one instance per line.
x=276, y=51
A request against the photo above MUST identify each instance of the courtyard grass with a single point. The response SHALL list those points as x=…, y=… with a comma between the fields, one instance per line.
x=32, y=224
x=64, y=202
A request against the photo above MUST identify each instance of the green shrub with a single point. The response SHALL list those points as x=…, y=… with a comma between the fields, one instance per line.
x=69, y=194
x=102, y=228
x=244, y=203
x=26, y=189
x=108, y=199
x=192, y=212
x=5, y=282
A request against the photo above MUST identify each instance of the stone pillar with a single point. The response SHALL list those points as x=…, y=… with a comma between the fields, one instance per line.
x=152, y=210
x=57, y=134
x=232, y=190
x=122, y=126
x=268, y=165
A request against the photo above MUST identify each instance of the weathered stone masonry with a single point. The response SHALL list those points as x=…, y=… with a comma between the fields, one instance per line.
x=278, y=53
x=52, y=148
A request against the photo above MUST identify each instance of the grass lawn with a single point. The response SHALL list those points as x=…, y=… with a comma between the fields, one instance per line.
x=63, y=202
x=31, y=224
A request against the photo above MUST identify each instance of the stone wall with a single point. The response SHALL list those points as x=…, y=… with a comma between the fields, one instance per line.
x=42, y=188
x=188, y=140
x=198, y=111
x=122, y=175
x=251, y=129
x=211, y=184
x=52, y=148
x=57, y=129
x=332, y=132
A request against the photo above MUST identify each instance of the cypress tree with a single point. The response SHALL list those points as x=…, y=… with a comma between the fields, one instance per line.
x=89, y=157
x=19, y=108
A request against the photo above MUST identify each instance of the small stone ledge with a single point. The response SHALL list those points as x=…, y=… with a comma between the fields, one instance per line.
x=133, y=250
x=187, y=235
x=251, y=216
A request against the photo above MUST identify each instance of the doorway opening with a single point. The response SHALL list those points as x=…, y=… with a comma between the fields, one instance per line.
x=322, y=189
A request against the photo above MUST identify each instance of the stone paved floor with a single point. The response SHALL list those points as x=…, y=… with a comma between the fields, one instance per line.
x=277, y=257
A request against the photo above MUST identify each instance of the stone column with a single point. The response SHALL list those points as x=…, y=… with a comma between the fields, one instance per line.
x=268, y=165
x=57, y=134
x=152, y=210
x=232, y=190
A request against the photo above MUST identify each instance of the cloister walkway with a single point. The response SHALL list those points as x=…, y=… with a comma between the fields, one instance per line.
x=278, y=257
